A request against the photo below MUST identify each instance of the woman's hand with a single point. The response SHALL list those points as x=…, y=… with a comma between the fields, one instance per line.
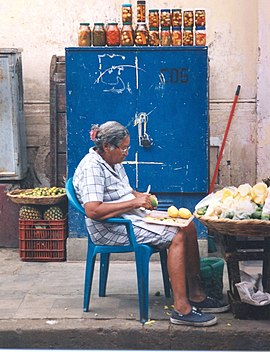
x=142, y=200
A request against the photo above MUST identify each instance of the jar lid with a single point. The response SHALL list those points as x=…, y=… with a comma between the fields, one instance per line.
x=99, y=24
x=84, y=23
x=165, y=28
x=153, y=10
x=178, y=10
x=200, y=28
x=188, y=28
x=112, y=23
x=165, y=10
x=127, y=23
x=126, y=5
x=153, y=28
x=142, y=2
x=176, y=28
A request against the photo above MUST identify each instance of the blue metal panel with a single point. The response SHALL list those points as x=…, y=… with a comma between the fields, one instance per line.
x=169, y=86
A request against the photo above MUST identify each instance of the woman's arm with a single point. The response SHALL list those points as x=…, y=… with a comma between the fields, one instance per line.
x=102, y=211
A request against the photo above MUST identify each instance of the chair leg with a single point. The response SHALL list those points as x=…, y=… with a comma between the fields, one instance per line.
x=142, y=266
x=90, y=265
x=103, y=273
x=166, y=281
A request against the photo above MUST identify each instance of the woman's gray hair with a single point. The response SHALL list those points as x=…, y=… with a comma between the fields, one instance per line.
x=110, y=132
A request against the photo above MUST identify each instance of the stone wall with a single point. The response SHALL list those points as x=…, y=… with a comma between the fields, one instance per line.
x=232, y=37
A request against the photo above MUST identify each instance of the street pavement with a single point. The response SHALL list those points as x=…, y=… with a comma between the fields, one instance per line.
x=41, y=308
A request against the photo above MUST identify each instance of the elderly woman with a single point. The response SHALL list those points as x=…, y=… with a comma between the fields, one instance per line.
x=102, y=186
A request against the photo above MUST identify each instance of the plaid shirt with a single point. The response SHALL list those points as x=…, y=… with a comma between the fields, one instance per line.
x=95, y=180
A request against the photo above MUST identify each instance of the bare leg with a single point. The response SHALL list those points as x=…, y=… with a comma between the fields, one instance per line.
x=177, y=272
x=196, y=293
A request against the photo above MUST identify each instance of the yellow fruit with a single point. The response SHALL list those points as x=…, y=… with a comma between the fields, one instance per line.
x=244, y=189
x=184, y=213
x=173, y=211
x=259, y=189
x=154, y=200
x=227, y=192
x=260, y=199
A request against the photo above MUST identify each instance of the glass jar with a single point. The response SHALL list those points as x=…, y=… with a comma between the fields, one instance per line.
x=176, y=36
x=165, y=18
x=140, y=11
x=112, y=34
x=153, y=19
x=99, y=35
x=188, y=36
x=84, y=34
x=126, y=13
x=176, y=17
x=127, y=37
x=188, y=18
x=153, y=36
x=165, y=36
x=200, y=20
x=200, y=36
x=141, y=34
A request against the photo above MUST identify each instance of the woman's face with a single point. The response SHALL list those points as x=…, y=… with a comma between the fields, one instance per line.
x=118, y=154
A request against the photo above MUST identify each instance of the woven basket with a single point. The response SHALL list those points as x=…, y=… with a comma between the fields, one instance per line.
x=17, y=196
x=248, y=227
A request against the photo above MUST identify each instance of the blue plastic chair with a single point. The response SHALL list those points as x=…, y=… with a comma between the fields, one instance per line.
x=142, y=256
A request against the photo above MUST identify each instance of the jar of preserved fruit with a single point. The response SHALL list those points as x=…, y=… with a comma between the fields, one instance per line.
x=127, y=36
x=140, y=11
x=200, y=20
x=165, y=18
x=126, y=13
x=84, y=34
x=188, y=36
x=176, y=17
x=188, y=18
x=112, y=34
x=141, y=34
x=176, y=36
x=200, y=36
x=153, y=36
x=153, y=19
x=165, y=36
x=99, y=35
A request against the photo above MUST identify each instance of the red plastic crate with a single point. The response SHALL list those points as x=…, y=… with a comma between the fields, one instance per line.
x=42, y=240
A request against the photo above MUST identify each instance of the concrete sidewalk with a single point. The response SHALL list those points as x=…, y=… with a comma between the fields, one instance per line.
x=41, y=307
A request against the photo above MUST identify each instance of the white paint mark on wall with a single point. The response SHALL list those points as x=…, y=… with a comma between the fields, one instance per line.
x=110, y=72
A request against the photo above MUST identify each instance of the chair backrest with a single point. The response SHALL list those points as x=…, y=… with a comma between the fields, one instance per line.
x=72, y=197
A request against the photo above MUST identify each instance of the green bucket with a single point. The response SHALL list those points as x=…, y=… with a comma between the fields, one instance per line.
x=211, y=273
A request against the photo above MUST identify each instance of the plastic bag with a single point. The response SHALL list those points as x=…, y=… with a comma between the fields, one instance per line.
x=251, y=290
